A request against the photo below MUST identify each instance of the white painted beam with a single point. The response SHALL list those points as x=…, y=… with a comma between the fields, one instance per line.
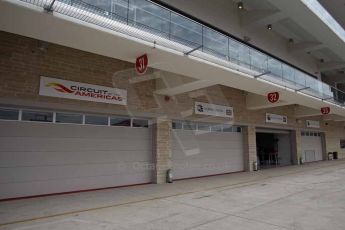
x=137, y=79
x=187, y=113
x=302, y=111
x=340, y=119
x=328, y=117
x=254, y=101
x=184, y=88
x=333, y=117
x=198, y=93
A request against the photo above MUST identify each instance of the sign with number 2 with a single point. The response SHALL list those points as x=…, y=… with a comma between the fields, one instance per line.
x=273, y=97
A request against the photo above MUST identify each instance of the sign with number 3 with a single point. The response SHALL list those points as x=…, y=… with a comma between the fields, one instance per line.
x=325, y=110
x=141, y=64
x=273, y=97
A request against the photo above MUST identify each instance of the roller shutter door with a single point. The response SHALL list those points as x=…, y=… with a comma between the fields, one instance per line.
x=200, y=153
x=40, y=158
x=311, y=146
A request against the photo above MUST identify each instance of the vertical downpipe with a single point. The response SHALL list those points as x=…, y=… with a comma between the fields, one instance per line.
x=127, y=12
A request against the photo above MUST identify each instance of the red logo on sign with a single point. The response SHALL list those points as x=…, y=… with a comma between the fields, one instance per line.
x=273, y=97
x=59, y=87
x=325, y=110
x=141, y=64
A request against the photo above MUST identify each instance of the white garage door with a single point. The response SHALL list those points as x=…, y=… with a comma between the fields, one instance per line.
x=311, y=146
x=43, y=158
x=201, y=149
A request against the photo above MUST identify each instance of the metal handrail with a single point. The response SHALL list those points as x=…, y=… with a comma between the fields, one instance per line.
x=191, y=35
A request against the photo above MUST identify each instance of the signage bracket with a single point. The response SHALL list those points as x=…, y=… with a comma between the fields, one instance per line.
x=304, y=88
x=49, y=8
x=192, y=50
x=326, y=99
x=262, y=74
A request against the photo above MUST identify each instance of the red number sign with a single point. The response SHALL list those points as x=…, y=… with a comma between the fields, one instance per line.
x=141, y=64
x=325, y=110
x=273, y=97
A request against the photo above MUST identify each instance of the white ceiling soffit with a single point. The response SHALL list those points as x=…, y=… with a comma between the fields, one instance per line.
x=297, y=32
x=305, y=46
x=303, y=111
x=310, y=22
x=326, y=17
x=187, y=87
x=66, y=31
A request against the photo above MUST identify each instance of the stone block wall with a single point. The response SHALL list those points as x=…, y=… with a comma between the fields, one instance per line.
x=22, y=63
x=161, y=148
x=249, y=141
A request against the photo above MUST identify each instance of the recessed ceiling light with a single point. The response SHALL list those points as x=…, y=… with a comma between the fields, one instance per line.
x=269, y=26
x=42, y=45
x=240, y=5
x=246, y=38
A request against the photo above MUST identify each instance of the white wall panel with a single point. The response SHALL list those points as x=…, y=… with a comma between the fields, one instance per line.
x=39, y=158
x=284, y=149
x=311, y=148
x=208, y=153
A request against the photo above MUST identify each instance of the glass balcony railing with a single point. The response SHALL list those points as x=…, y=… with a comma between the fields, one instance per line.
x=151, y=22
